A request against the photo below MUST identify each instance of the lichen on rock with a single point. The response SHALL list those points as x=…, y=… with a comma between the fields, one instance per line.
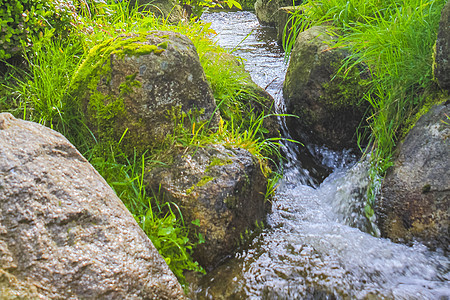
x=127, y=84
x=415, y=194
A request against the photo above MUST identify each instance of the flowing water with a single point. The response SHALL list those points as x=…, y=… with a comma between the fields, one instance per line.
x=315, y=246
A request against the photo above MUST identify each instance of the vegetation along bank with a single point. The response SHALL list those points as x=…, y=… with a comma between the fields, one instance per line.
x=61, y=66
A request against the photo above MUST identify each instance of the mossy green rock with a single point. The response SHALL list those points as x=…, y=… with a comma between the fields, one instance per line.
x=330, y=108
x=442, y=55
x=415, y=194
x=130, y=84
x=222, y=188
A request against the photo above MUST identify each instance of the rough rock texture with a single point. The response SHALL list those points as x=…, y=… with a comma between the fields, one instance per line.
x=64, y=234
x=140, y=83
x=167, y=9
x=415, y=200
x=329, y=109
x=223, y=188
x=442, y=55
x=266, y=10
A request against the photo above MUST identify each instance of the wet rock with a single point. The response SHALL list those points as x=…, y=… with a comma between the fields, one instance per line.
x=415, y=196
x=166, y=9
x=267, y=10
x=442, y=55
x=223, y=188
x=134, y=82
x=330, y=108
x=64, y=234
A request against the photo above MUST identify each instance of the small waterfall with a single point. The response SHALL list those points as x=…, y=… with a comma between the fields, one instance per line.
x=345, y=192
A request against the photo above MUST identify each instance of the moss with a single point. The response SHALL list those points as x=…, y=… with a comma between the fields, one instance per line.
x=215, y=161
x=137, y=50
x=190, y=190
x=204, y=181
x=163, y=45
x=344, y=90
x=103, y=109
x=249, y=234
x=201, y=183
x=426, y=188
x=230, y=202
x=429, y=102
x=127, y=86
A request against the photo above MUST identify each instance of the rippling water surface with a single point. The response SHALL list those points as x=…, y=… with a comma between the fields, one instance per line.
x=312, y=248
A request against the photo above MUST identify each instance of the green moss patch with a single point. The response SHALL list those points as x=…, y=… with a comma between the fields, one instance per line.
x=201, y=183
x=215, y=161
x=102, y=109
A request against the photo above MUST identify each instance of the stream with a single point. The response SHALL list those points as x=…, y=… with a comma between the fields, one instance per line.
x=315, y=245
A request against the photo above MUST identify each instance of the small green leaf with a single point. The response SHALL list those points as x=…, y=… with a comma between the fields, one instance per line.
x=166, y=231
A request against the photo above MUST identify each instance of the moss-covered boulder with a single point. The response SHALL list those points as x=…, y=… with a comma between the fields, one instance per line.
x=222, y=188
x=166, y=9
x=128, y=85
x=415, y=194
x=330, y=107
x=442, y=55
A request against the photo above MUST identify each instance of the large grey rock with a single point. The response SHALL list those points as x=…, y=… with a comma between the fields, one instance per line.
x=133, y=82
x=64, y=234
x=330, y=108
x=442, y=55
x=223, y=188
x=415, y=198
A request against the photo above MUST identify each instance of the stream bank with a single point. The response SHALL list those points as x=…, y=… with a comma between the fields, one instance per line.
x=309, y=251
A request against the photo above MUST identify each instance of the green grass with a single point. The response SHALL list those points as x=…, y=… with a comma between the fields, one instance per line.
x=42, y=85
x=394, y=40
x=38, y=91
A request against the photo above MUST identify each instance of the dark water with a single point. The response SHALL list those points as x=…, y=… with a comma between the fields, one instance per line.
x=312, y=248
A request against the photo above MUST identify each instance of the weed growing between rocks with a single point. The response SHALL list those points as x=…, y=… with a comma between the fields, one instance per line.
x=395, y=40
x=37, y=89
